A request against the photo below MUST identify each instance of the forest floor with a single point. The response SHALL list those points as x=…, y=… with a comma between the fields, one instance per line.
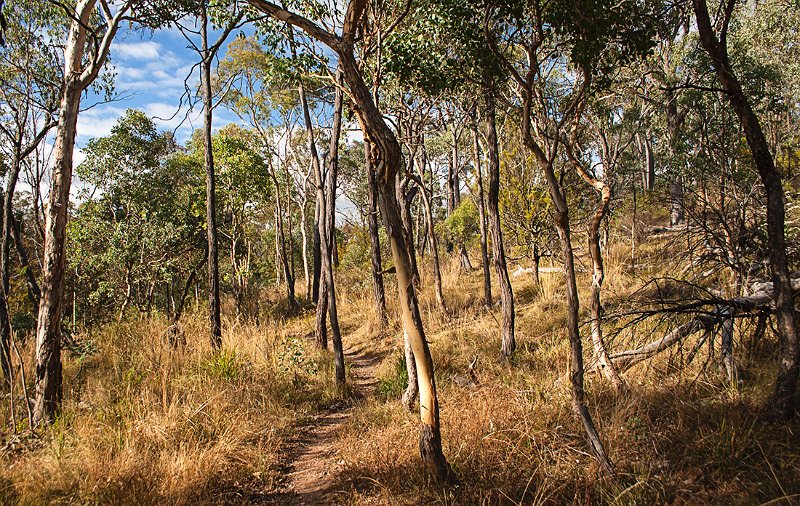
x=262, y=422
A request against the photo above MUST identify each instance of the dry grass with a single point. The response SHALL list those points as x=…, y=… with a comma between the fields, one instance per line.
x=144, y=424
x=680, y=436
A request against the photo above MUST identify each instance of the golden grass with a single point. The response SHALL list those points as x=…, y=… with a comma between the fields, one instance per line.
x=680, y=436
x=145, y=424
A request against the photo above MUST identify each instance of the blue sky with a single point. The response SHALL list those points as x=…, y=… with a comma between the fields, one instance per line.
x=151, y=72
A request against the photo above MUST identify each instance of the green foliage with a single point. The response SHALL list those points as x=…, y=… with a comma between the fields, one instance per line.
x=295, y=358
x=355, y=252
x=392, y=386
x=525, y=203
x=143, y=219
x=463, y=223
x=222, y=365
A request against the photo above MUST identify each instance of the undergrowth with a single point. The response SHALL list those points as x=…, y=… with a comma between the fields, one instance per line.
x=145, y=423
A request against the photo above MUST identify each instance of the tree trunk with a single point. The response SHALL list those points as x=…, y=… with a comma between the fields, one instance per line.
x=34, y=292
x=561, y=211
x=327, y=287
x=304, y=240
x=405, y=197
x=411, y=391
x=598, y=272
x=537, y=257
x=386, y=159
x=320, y=317
x=329, y=238
x=290, y=236
x=281, y=247
x=374, y=239
x=576, y=363
x=437, y=273
x=5, y=252
x=506, y=295
x=320, y=328
x=677, y=212
x=127, y=300
x=650, y=164
x=48, y=332
x=782, y=403
x=317, y=258
x=466, y=265
x=215, y=321
x=487, y=280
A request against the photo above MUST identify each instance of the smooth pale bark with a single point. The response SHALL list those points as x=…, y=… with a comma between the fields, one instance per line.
x=290, y=234
x=677, y=214
x=214, y=318
x=127, y=300
x=304, y=246
x=386, y=160
x=782, y=403
x=437, y=272
x=487, y=280
x=598, y=272
x=649, y=164
x=412, y=389
x=378, y=291
x=509, y=343
x=626, y=359
x=77, y=76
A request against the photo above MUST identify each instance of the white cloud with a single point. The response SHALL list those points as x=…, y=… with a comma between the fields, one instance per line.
x=147, y=50
x=97, y=122
x=125, y=72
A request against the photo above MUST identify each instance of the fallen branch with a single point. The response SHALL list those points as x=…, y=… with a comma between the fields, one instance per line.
x=626, y=359
x=724, y=311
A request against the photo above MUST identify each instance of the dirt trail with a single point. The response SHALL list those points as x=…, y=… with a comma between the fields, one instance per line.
x=312, y=464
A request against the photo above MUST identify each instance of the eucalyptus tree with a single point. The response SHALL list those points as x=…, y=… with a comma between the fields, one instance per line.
x=414, y=118
x=481, y=203
x=86, y=51
x=29, y=83
x=201, y=17
x=245, y=193
x=611, y=139
x=463, y=62
x=260, y=87
x=386, y=158
x=137, y=227
x=560, y=52
x=713, y=34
